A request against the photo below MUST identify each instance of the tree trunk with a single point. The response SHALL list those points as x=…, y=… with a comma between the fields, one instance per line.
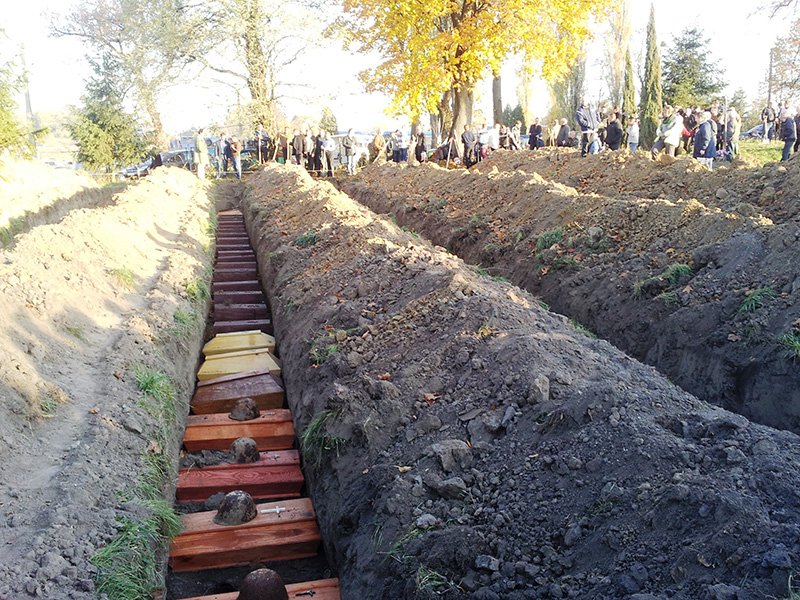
x=470, y=104
x=461, y=109
x=148, y=102
x=497, y=99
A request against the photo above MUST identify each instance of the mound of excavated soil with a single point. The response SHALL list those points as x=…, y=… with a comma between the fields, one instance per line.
x=84, y=303
x=614, y=257
x=468, y=443
x=27, y=188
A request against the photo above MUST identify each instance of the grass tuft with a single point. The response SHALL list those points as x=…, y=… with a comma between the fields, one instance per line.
x=316, y=442
x=124, y=277
x=676, y=272
x=197, y=291
x=184, y=322
x=791, y=342
x=428, y=580
x=485, y=330
x=76, y=331
x=753, y=300
x=549, y=238
x=582, y=330
x=306, y=240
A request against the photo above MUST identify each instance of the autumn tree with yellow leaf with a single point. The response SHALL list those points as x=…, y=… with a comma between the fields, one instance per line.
x=435, y=48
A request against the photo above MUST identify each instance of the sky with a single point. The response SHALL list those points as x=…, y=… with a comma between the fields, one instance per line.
x=327, y=74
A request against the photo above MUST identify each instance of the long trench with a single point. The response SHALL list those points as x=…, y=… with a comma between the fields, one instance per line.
x=240, y=370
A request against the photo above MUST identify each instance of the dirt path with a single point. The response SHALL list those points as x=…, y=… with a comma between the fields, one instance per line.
x=471, y=444
x=86, y=300
x=668, y=280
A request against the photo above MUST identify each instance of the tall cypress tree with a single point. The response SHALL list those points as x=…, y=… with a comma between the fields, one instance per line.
x=650, y=108
x=628, y=89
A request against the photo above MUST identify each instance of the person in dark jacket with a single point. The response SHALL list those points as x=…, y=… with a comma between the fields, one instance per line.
x=797, y=127
x=613, y=132
x=768, y=116
x=789, y=131
x=420, y=151
x=587, y=120
x=563, y=134
x=468, y=140
x=705, y=140
x=298, y=147
x=535, y=133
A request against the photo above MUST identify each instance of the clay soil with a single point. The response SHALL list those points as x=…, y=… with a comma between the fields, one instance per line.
x=468, y=443
x=693, y=272
x=86, y=301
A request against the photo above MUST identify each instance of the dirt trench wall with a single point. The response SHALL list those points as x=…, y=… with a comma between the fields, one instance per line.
x=607, y=269
x=466, y=441
x=88, y=303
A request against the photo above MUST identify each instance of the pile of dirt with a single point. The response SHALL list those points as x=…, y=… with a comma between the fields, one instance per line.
x=703, y=288
x=87, y=303
x=461, y=441
x=31, y=193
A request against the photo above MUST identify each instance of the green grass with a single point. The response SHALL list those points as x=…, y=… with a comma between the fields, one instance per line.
x=197, y=291
x=411, y=232
x=761, y=154
x=306, y=240
x=549, y=238
x=581, y=329
x=316, y=442
x=428, y=580
x=755, y=299
x=76, y=332
x=47, y=405
x=482, y=271
x=124, y=277
x=676, y=272
x=791, y=342
x=670, y=298
x=184, y=322
x=544, y=305
x=130, y=566
x=319, y=355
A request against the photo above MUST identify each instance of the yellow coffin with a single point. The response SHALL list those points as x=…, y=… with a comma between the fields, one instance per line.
x=230, y=363
x=239, y=340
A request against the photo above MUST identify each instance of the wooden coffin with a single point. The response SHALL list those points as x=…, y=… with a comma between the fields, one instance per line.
x=219, y=395
x=289, y=535
x=242, y=340
x=323, y=589
x=264, y=325
x=276, y=475
x=239, y=312
x=246, y=297
x=273, y=430
x=223, y=273
x=242, y=361
x=236, y=286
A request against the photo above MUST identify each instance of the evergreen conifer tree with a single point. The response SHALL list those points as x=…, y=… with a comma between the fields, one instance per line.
x=628, y=90
x=650, y=108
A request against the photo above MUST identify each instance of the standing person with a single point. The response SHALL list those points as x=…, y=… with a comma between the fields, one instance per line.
x=789, y=134
x=222, y=160
x=705, y=143
x=613, y=132
x=319, y=152
x=733, y=129
x=377, y=147
x=420, y=151
x=514, y=140
x=494, y=137
x=395, y=142
x=504, y=137
x=535, y=133
x=228, y=154
x=587, y=120
x=283, y=147
x=402, y=146
x=349, y=146
x=554, y=131
x=328, y=147
x=201, y=154
x=633, y=134
x=236, y=154
x=797, y=127
x=468, y=140
x=483, y=142
x=669, y=133
x=768, y=117
x=562, y=137
x=298, y=143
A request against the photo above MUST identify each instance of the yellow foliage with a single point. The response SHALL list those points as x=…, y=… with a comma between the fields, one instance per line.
x=431, y=46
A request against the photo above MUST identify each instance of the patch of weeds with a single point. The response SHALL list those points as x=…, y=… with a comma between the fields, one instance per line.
x=519, y=236
x=548, y=239
x=395, y=552
x=791, y=342
x=316, y=442
x=565, y=262
x=440, y=204
x=544, y=305
x=124, y=277
x=482, y=271
x=76, y=331
x=211, y=224
x=581, y=329
x=672, y=275
x=428, y=580
x=485, y=330
x=756, y=298
x=156, y=385
x=500, y=279
x=197, y=291
x=670, y=298
x=411, y=232
x=676, y=272
x=320, y=355
x=47, y=405
x=184, y=321
x=491, y=247
x=291, y=305
x=306, y=240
